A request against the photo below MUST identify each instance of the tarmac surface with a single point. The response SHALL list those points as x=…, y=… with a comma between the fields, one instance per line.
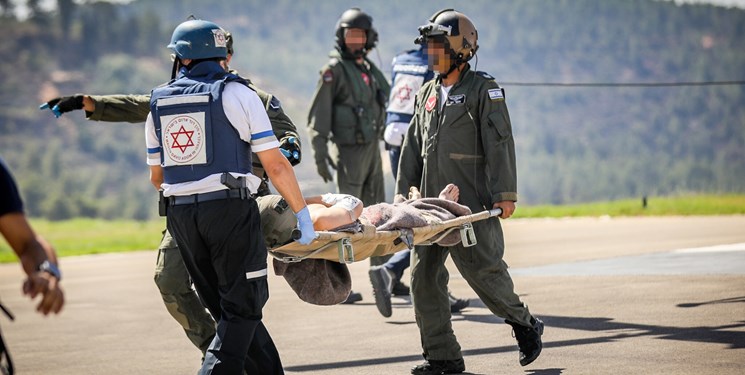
x=618, y=296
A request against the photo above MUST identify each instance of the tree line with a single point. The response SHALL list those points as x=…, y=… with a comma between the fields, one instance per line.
x=574, y=144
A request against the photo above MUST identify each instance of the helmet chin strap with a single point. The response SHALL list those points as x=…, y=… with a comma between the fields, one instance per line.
x=452, y=68
x=360, y=52
x=458, y=61
x=175, y=68
x=354, y=55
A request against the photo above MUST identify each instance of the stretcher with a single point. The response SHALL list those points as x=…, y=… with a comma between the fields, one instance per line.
x=349, y=247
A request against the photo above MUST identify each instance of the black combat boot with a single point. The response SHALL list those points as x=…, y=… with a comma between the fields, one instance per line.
x=435, y=367
x=528, y=339
x=400, y=289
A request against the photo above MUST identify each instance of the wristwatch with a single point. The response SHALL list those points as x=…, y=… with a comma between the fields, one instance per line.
x=50, y=268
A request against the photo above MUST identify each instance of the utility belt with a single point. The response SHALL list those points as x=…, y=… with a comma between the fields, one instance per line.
x=236, y=190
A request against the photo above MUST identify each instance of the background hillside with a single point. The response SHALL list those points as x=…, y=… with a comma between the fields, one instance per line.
x=574, y=144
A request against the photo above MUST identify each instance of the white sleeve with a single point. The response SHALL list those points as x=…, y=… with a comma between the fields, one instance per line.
x=247, y=114
x=151, y=142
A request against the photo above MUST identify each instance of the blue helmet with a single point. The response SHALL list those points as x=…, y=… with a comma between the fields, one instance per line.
x=199, y=39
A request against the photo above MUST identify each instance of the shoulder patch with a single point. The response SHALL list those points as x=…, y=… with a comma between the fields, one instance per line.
x=485, y=75
x=431, y=103
x=328, y=76
x=496, y=94
x=274, y=104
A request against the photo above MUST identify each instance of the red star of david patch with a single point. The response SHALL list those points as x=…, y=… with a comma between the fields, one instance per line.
x=182, y=132
x=404, y=93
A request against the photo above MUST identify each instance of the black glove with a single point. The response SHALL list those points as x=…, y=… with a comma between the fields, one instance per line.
x=64, y=104
x=323, y=171
x=290, y=148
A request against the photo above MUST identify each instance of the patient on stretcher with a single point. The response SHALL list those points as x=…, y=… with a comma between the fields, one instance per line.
x=327, y=282
x=330, y=212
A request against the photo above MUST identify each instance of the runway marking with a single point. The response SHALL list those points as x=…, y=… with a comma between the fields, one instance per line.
x=713, y=249
x=726, y=259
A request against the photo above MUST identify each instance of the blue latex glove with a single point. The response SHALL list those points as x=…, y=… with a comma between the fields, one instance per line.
x=305, y=224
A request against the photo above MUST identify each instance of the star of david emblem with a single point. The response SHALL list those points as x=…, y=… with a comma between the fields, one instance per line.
x=404, y=93
x=178, y=135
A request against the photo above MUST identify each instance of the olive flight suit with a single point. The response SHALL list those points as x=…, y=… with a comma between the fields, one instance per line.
x=348, y=109
x=171, y=275
x=464, y=138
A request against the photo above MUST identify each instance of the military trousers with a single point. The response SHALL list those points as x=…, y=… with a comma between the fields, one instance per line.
x=484, y=270
x=360, y=172
x=181, y=300
x=223, y=250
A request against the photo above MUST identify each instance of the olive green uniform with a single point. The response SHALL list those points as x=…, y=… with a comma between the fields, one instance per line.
x=171, y=276
x=467, y=142
x=351, y=114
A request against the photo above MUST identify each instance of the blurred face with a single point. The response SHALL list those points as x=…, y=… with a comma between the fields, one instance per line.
x=437, y=59
x=355, y=39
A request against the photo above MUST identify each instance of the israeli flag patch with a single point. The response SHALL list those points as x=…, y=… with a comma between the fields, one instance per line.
x=496, y=94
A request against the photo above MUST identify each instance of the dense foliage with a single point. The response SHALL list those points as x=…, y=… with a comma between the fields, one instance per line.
x=575, y=144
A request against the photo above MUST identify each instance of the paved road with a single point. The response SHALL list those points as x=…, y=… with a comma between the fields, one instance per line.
x=619, y=296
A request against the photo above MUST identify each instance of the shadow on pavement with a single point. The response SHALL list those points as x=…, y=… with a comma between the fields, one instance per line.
x=545, y=371
x=706, y=334
x=714, y=302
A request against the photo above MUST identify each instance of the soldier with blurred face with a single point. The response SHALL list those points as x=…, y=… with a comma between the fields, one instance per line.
x=461, y=134
x=348, y=111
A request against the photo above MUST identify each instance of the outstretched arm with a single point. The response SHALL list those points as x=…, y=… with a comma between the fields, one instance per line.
x=112, y=108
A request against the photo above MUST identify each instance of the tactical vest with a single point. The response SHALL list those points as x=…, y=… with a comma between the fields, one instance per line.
x=410, y=71
x=195, y=135
x=358, y=120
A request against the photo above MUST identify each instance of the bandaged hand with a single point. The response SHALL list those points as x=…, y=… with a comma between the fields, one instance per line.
x=64, y=104
x=305, y=224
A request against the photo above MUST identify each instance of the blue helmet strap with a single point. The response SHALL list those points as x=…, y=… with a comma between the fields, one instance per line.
x=175, y=68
